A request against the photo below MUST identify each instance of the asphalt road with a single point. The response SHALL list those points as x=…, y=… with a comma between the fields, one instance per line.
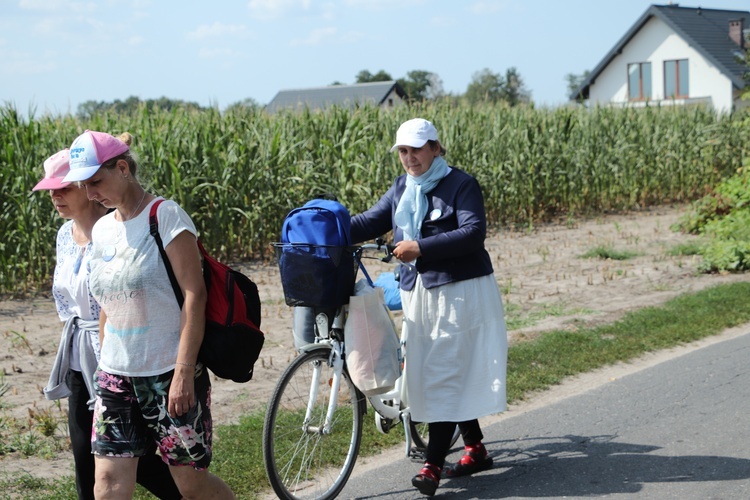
x=674, y=425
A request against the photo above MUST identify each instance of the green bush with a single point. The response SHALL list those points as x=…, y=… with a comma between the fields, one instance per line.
x=727, y=245
x=731, y=194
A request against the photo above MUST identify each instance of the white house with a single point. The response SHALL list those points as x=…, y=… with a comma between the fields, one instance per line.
x=673, y=56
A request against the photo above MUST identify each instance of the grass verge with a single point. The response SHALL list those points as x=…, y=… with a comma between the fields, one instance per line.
x=546, y=360
x=532, y=366
x=608, y=252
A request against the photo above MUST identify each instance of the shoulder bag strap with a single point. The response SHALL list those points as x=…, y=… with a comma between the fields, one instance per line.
x=154, y=229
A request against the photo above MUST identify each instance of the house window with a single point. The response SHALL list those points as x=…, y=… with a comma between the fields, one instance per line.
x=676, y=78
x=639, y=81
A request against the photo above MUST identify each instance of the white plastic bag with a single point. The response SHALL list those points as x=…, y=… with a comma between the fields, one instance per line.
x=373, y=349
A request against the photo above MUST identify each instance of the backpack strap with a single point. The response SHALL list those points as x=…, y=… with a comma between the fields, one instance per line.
x=153, y=223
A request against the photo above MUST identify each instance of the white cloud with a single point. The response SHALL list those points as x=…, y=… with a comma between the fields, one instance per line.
x=17, y=63
x=80, y=29
x=316, y=37
x=218, y=30
x=328, y=11
x=58, y=6
x=219, y=53
x=352, y=37
x=141, y=14
x=46, y=5
x=490, y=6
x=135, y=40
x=141, y=4
x=442, y=21
x=381, y=5
x=328, y=36
x=273, y=9
x=50, y=26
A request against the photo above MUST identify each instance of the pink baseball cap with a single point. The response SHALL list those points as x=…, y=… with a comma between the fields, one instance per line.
x=55, y=169
x=89, y=151
x=415, y=133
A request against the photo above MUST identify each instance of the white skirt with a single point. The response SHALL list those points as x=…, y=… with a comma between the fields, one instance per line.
x=456, y=350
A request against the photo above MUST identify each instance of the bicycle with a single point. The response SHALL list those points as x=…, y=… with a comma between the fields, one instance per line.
x=313, y=426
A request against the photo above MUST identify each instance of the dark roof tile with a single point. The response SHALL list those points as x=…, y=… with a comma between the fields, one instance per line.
x=341, y=95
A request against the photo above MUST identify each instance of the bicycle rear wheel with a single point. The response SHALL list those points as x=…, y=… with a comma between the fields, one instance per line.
x=302, y=461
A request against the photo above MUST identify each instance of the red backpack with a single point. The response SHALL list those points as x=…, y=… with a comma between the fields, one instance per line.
x=233, y=340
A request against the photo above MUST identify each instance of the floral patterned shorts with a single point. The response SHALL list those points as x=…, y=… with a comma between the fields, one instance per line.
x=132, y=411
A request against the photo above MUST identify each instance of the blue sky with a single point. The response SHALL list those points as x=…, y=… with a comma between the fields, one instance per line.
x=57, y=54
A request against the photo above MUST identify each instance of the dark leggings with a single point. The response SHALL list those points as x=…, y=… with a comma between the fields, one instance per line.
x=153, y=474
x=440, y=438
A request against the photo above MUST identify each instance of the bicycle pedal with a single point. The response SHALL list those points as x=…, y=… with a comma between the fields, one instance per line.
x=417, y=454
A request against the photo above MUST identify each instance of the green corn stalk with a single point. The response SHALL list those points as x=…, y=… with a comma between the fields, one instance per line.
x=238, y=173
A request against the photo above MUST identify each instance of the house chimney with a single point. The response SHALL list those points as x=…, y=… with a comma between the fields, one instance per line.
x=736, y=31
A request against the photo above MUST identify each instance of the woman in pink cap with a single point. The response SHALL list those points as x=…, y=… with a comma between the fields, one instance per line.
x=72, y=375
x=150, y=387
x=454, y=326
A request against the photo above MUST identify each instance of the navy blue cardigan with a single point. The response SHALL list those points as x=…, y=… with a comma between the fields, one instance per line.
x=453, y=232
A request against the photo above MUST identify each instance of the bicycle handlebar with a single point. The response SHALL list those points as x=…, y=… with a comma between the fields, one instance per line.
x=380, y=244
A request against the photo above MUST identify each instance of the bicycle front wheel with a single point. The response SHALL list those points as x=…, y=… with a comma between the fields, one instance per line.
x=304, y=458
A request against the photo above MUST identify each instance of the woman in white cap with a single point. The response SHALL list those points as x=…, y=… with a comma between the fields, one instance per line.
x=454, y=326
x=149, y=386
x=72, y=375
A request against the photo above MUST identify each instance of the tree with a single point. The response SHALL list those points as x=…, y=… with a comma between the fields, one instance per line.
x=365, y=76
x=435, y=89
x=744, y=59
x=89, y=109
x=420, y=85
x=575, y=81
x=514, y=91
x=485, y=86
x=245, y=104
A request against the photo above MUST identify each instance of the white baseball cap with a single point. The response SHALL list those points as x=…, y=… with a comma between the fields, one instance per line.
x=89, y=151
x=415, y=133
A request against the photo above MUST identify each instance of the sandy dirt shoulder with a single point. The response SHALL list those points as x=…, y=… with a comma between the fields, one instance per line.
x=540, y=273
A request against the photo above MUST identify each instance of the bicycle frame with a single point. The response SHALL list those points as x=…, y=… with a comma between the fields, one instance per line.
x=325, y=338
x=336, y=359
x=395, y=411
x=313, y=428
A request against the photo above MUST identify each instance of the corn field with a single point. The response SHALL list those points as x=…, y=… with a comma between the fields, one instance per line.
x=239, y=173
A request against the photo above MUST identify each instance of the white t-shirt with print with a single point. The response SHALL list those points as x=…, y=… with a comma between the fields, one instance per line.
x=130, y=282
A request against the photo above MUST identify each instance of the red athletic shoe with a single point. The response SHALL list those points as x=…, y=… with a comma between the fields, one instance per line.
x=427, y=480
x=475, y=459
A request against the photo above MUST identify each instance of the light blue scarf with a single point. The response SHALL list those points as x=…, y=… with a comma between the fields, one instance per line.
x=412, y=207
